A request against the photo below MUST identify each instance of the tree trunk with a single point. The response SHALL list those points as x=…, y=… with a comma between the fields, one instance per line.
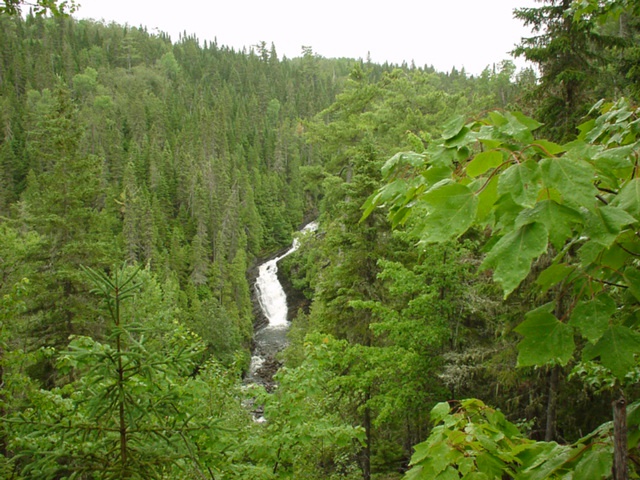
x=3, y=440
x=366, y=450
x=620, y=470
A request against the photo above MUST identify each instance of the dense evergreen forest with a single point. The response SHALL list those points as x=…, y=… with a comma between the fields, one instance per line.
x=471, y=298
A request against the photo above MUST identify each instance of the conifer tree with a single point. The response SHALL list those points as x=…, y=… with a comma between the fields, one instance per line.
x=63, y=203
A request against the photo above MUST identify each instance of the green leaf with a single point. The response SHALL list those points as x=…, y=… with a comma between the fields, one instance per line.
x=490, y=464
x=572, y=178
x=476, y=476
x=449, y=474
x=440, y=411
x=629, y=198
x=483, y=162
x=553, y=275
x=548, y=148
x=489, y=137
x=400, y=160
x=369, y=205
x=440, y=156
x=610, y=160
x=461, y=140
x=438, y=457
x=453, y=127
x=592, y=317
x=512, y=255
x=615, y=257
x=559, y=220
x=589, y=252
x=595, y=464
x=418, y=473
x=546, y=339
x=617, y=349
x=519, y=127
x=605, y=223
x=421, y=451
x=487, y=198
x=436, y=173
x=548, y=462
x=632, y=277
x=521, y=181
x=528, y=122
x=451, y=211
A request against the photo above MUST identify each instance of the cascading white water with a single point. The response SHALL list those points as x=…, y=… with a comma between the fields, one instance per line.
x=270, y=339
x=271, y=296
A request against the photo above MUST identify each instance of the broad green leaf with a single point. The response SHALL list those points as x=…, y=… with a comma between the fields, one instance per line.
x=573, y=179
x=400, y=160
x=521, y=181
x=545, y=339
x=512, y=255
x=519, y=127
x=369, y=205
x=632, y=277
x=505, y=212
x=490, y=464
x=421, y=451
x=589, y=252
x=498, y=119
x=438, y=457
x=617, y=349
x=536, y=453
x=614, y=257
x=586, y=127
x=605, y=223
x=487, y=136
x=595, y=464
x=487, y=198
x=449, y=474
x=592, y=317
x=548, y=463
x=452, y=209
x=399, y=216
x=462, y=139
x=528, y=122
x=440, y=411
x=553, y=275
x=629, y=198
x=548, y=148
x=453, y=127
x=466, y=465
x=435, y=174
x=611, y=160
x=483, y=162
x=418, y=473
x=559, y=220
x=392, y=190
x=476, y=476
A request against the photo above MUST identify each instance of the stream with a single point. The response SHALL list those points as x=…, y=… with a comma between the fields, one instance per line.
x=271, y=338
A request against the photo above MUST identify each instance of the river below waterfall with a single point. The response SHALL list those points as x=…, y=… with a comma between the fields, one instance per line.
x=271, y=338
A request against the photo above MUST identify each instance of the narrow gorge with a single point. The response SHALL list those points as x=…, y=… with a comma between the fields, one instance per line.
x=271, y=336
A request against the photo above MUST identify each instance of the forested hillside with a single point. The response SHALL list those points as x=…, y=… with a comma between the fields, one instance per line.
x=477, y=239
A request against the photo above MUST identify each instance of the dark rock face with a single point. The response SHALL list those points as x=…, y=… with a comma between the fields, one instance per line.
x=295, y=298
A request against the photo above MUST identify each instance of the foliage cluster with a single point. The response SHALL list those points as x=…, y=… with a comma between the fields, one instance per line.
x=490, y=242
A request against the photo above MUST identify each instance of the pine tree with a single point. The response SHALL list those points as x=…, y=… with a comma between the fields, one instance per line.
x=63, y=203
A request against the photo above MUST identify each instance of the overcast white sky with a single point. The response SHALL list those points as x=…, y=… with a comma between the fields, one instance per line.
x=442, y=33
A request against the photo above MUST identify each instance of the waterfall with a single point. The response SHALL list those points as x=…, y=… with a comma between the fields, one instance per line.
x=272, y=338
